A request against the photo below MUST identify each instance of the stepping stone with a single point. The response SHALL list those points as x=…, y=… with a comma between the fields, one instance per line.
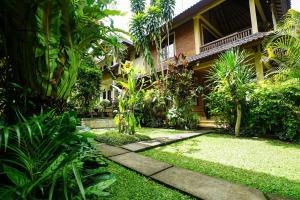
x=109, y=151
x=178, y=137
x=138, y=146
x=135, y=146
x=139, y=163
x=205, y=187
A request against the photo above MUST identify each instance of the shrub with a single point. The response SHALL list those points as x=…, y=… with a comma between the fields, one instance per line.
x=45, y=157
x=117, y=139
x=153, y=108
x=275, y=110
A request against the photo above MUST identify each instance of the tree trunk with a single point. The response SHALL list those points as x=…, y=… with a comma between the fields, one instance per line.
x=238, y=120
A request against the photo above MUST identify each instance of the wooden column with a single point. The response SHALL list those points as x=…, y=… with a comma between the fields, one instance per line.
x=273, y=11
x=253, y=16
x=197, y=34
x=259, y=67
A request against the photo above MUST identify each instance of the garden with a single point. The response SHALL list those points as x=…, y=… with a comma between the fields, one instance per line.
x=50, y=78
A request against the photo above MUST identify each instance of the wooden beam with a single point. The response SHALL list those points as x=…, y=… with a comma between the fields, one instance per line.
x=253, y=16
x=261, y=11
x=259, y=67
x=274, y=15
x=208, y=29
x=211, y=27
x=207, y=8
x=197, y=35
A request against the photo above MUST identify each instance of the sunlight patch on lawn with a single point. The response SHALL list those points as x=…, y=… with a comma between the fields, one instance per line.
x=259, y=155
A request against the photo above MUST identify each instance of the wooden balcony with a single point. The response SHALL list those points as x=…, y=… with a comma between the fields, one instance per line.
x=226, y=40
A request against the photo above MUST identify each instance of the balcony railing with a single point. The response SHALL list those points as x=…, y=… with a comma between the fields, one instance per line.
x=226, y=40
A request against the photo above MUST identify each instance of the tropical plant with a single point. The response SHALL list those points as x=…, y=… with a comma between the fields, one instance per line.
x=146, y=26
x=44, y=41
x=274, y=110
x=88, y=85
x=283, y=47
x=44, y=157
x=129, y=91
x=181, y=91
x=230, y=75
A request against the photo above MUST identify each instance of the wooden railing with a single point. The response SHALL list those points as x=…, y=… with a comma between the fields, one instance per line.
x=226, y=40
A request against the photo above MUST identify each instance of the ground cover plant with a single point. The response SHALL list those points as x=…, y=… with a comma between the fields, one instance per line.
x=117, y=139
x=113, y=137
x=268, y=165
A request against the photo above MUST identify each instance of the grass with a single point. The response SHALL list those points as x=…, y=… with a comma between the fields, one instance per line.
x=151, y=132
x=117, y=139
x=268, y=165
x=132, y=186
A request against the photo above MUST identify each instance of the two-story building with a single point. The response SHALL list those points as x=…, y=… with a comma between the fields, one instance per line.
x=211, y=27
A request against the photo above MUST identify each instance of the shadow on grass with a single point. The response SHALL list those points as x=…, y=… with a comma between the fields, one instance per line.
x=262, y=181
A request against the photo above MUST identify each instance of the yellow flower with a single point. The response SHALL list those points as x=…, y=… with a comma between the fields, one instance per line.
x=127, y=66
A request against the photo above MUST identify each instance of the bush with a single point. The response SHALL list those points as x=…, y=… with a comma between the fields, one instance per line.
x=117, y=139
x=152, y=109
x=274, y=110
x=45, y=157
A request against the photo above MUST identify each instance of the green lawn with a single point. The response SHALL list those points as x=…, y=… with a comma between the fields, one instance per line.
x=271, y=166
x=132, y=186
x=112, y=136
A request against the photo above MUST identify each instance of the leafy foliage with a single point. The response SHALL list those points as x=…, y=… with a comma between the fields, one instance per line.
x=146, y=25
x=117, y=139
x=45, y=157
x=274, y=110
x=170, y=101
x=45, y=41
x=182, y=91
x=88, y=86
x=230, y=77
x=128, y=95
x=284, y=47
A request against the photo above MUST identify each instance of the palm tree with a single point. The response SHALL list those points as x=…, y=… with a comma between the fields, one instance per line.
x=284, y=46
x=231, y=73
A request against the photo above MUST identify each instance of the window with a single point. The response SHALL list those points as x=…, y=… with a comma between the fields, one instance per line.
x=104, y=94
x=109, y=95
x=168, y=51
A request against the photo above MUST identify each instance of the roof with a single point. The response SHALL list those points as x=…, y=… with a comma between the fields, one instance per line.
x=220, y=49
x=201, y=4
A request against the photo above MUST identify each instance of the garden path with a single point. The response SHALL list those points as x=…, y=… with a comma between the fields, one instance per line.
x=195, y=184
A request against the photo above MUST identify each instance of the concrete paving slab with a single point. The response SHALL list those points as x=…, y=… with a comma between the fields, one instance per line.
x=108, y=150
x=139, y=163
x=205, y=187
x=179, y=137
x=135, y=146
x=139, y=146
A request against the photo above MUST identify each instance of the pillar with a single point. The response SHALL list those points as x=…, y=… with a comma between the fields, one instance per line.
x=259, y=67
x=253, y=16
x=197, y=35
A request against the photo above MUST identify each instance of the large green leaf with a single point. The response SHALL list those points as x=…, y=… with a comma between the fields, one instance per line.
x=16, y=176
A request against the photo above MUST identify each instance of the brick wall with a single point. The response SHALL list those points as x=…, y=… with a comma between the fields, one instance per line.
x=184, y=39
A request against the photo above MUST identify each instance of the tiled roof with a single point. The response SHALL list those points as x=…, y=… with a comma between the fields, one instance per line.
x=222, y=48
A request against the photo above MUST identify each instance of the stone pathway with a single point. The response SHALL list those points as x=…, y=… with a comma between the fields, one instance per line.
x=195, y=184
x=141, y=146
